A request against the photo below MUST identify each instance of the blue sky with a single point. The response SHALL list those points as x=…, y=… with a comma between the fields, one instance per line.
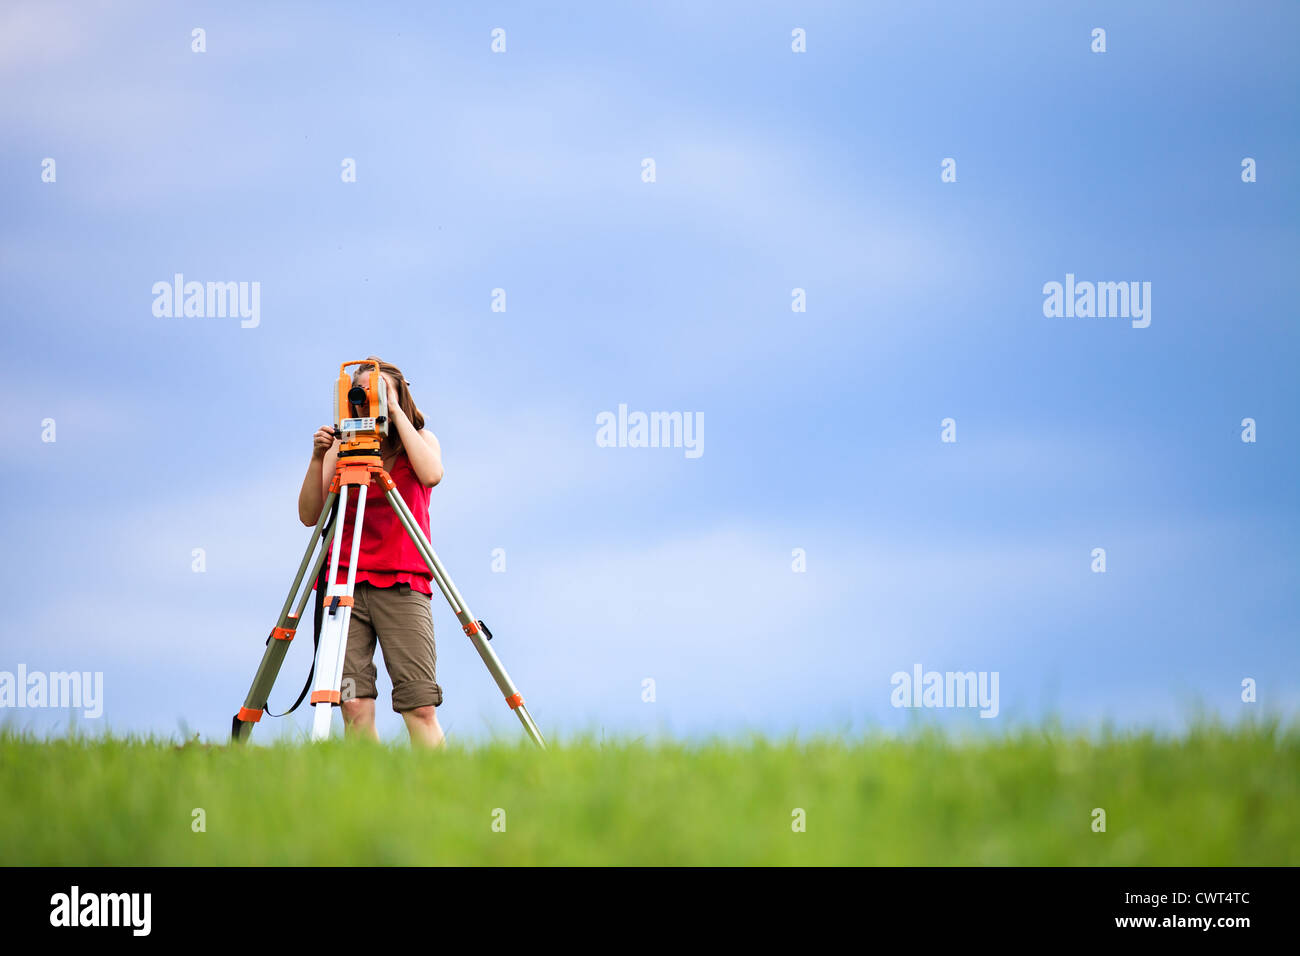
x=774, y=171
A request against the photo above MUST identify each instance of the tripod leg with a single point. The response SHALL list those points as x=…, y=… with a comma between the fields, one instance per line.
x=470, y=626
x=277, y=645
x=334, y=632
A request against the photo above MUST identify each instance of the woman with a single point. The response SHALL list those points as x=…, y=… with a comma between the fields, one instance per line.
x=392, y=602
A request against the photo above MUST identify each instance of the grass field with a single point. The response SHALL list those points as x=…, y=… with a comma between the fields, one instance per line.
x=1214, y=795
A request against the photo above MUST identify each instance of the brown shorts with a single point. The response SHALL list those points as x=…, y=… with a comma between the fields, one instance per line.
x=402, y=620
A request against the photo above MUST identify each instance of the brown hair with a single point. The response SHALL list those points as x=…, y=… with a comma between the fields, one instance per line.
x=403, y=397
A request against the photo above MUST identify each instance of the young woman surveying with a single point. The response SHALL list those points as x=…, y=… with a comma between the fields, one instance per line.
x=392, y=602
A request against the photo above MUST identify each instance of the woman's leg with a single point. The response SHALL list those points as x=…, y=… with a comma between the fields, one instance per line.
x=358, y=686
x=403, y=622
x=422, y=725
x=359, y=718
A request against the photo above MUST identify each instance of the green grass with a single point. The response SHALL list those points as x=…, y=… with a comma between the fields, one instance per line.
x=1215, y=795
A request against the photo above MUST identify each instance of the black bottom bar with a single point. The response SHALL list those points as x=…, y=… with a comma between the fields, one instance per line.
x=1225, y=907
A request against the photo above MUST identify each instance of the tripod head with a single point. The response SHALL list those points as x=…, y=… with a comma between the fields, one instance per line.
x=361, y=411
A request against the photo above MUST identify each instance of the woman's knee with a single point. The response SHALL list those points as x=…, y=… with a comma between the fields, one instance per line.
x=425, y=715
x=357, y=707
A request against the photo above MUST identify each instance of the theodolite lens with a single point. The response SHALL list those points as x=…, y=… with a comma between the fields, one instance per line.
x=357, y=395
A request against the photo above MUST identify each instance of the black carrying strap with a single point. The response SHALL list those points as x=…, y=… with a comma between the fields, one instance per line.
x=317, y=617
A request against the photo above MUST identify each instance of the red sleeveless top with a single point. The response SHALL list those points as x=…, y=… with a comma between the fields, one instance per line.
x=387, y=555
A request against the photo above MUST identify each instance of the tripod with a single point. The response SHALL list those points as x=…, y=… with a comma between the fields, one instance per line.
x=359, y=463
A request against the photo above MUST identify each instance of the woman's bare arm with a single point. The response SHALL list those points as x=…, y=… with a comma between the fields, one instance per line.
x=422, y=448
x=320, y=472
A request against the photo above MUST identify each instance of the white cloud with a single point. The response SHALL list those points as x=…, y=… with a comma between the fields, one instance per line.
x=37, y=34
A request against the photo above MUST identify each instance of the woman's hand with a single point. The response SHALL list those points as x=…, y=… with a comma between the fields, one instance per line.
x=396, y=415
x=322, y=441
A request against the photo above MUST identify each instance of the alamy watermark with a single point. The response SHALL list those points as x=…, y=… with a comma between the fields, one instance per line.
x=1102, y=300
x=947, y=689
x=212, y=300
x=653, y=430
x=130, y=910
x=59, y=689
